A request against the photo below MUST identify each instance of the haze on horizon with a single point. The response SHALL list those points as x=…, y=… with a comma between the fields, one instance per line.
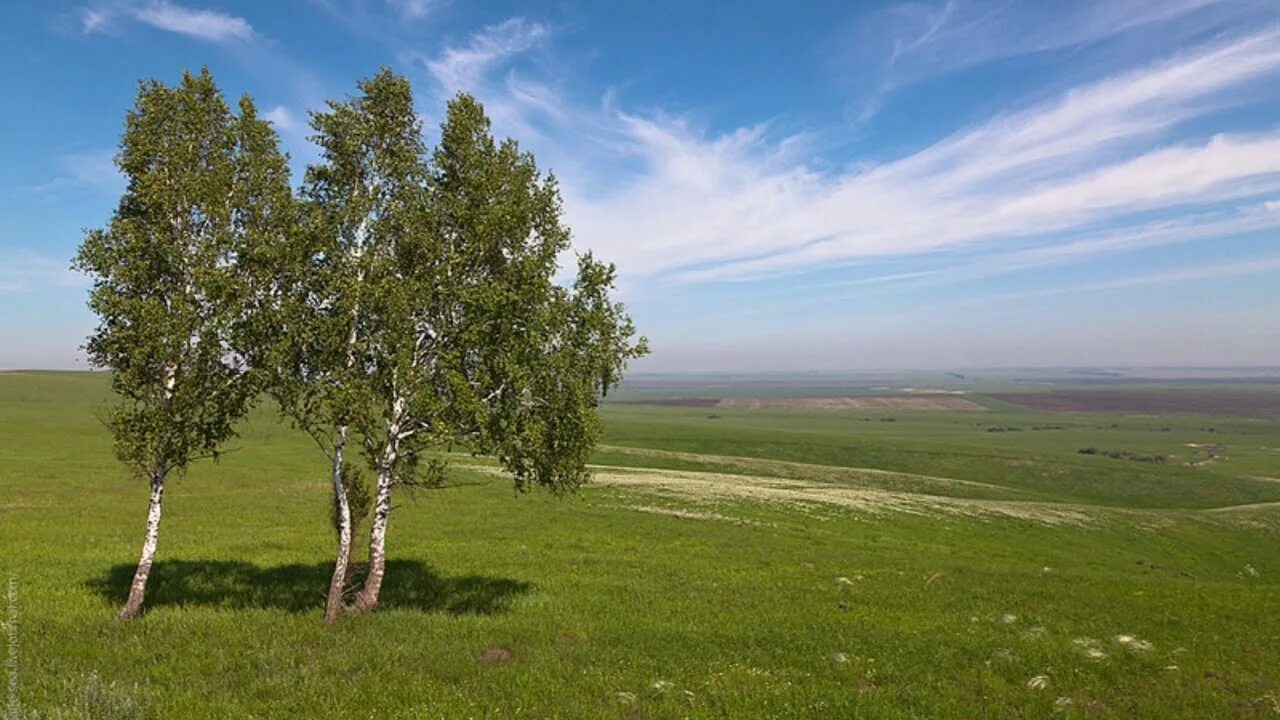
x=924, y=185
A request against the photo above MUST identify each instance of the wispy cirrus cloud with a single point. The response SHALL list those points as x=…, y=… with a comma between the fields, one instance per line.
x=22, y=270
x=936, y=38
x=1062, y=166
x=91, y=169
x=92, y=21
x=982, y=266
x=463, y=67
x=1255, y=266
x=413, y=9
x=284, y=120
x=916, y=40
x=209, y=25
x=669, y=202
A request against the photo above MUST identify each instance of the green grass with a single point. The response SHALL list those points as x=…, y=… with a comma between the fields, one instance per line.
x=1044, y=462
x=598, y=597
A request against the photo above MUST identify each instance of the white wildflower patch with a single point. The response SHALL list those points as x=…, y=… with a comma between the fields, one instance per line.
x=1133, y=643
x=1091, y=648
x=810, y=495
x=1034, y=632
x=687, y=514
x=662, y=686
x=1039, y=682
x=1248, y=571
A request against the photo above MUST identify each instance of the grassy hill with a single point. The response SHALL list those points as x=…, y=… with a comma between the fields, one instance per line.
x=761, y=563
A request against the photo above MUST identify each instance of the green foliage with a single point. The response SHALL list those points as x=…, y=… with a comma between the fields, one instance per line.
x=408, y=298
x=524, y=360
x=205, y=186
x=421, y=307
x=322, y=292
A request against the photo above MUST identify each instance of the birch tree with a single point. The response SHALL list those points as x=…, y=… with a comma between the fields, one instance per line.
x=475, y=343
x=323, y=296
x=417, y=309
x=204, y=185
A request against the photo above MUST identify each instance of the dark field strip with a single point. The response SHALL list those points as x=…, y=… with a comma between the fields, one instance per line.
x=1264, y=401
x=674, y=401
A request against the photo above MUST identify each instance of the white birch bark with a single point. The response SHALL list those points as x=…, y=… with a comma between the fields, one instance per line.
x=333, y=605
x=368, y=597
x=138, y=589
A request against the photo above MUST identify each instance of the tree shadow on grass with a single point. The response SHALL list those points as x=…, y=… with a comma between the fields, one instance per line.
x=408, y=584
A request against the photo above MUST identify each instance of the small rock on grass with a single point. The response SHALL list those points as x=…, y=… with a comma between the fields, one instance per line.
x=495, y=655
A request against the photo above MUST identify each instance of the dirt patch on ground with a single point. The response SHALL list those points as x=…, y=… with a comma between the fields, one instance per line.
x=1176, y=401
x=1212, y=453
x=919, y=403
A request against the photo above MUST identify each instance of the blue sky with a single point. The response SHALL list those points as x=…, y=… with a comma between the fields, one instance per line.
x=784, y=186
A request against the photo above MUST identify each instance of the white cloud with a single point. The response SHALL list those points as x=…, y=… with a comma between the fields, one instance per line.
x=916, y=40
x=462, y=67
x=283, y=119
x=934, y=39
x=412, y=9
x=204, y=24
x=93, y=169
x=666, y=201
x=1254, y=266
x=21, y=271
x=734, y=207
x=209, y=25
x=92, y=21
x=1194, y=228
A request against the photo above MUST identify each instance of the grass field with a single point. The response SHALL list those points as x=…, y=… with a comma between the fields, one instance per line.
x=761, y=563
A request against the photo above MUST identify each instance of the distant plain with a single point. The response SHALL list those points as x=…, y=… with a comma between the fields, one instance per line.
x=746, y=555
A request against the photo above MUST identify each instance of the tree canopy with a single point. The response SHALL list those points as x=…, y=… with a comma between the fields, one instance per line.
x=204, y=186
x=407, y=300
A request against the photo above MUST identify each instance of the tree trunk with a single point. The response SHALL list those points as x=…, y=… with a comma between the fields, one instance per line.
x=367, y=599
x=333, y=605
x=138, y=589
